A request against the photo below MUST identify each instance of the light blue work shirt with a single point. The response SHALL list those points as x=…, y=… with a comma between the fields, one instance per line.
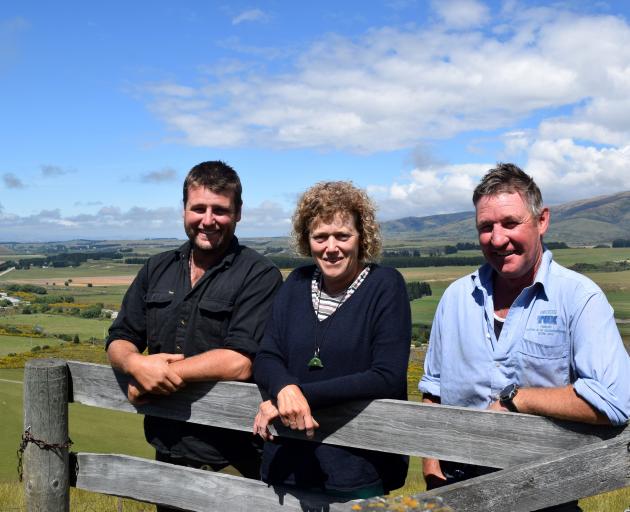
x=559, y=330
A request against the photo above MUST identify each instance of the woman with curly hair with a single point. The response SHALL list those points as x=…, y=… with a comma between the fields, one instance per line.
x=340, y=330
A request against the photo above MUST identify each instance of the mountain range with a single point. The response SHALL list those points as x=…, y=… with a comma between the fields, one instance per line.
x=590, y=221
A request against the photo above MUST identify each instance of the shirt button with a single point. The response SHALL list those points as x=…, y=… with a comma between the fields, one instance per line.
x=183, y=322
x=497, y=365
x=178, y=348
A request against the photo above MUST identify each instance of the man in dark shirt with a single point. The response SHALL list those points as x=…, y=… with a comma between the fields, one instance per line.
x=200, y=310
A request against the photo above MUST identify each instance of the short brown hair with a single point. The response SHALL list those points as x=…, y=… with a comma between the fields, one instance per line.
x=325, y=199
x=509, y=178
x=216, y=176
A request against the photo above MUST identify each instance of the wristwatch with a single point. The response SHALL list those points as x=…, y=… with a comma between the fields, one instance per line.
x=506, y=397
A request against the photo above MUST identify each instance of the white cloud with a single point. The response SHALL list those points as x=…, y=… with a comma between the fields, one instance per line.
x=266, y=219
x=393, y=88
x=565, y=169
x=250, y=15
x=429, y=191
x=461, y=13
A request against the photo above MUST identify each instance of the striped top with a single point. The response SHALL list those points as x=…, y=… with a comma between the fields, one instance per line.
x=325, y=305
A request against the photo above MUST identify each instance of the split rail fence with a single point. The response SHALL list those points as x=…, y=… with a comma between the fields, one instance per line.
x=544, y=462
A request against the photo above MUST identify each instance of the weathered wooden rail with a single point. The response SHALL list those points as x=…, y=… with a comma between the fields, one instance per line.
x=548, y=462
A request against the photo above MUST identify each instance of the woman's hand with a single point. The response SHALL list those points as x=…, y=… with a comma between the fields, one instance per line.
x=294, y=410
x=267, y=412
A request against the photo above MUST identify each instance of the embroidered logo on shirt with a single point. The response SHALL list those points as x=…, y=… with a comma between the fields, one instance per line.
x=548, y=319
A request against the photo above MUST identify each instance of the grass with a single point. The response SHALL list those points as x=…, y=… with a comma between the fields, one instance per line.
x=110, y=296
x=16, y=344
x=568, y=257
x=97, y=268
x=61, y=324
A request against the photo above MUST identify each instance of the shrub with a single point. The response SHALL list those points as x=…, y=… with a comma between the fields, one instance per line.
x=36, y=348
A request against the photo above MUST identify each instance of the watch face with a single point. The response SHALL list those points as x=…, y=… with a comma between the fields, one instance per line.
x=508, y=392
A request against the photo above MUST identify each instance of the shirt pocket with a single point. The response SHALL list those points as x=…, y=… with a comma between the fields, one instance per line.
x=544, y=364
x=157, y=306
x=213, y=323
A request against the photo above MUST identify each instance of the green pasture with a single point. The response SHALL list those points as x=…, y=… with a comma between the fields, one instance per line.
x=17, y=344
x=423, y=309
x=61, y=324
x=110, y=296
x=96, y=268
x=568, y=257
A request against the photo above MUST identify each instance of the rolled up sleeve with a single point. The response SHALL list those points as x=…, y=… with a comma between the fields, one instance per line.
x=601, y=362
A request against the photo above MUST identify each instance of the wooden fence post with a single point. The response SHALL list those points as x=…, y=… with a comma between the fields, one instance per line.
x=45, y=439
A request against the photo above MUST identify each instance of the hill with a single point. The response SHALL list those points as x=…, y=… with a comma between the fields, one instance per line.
x=585, y=222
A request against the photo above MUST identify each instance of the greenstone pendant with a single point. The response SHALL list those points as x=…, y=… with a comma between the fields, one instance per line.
x=315, y=362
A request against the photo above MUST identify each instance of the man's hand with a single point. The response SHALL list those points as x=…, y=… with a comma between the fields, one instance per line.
x=295, y=411
x=134, y=394
x=149, y=374
x=267, y=412
x=153, y=373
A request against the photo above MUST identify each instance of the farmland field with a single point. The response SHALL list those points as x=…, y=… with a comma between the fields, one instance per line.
x=100, y=271
x=61, y=324
x=14, y=344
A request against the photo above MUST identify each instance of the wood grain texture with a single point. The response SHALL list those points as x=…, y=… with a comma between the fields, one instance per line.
x=45, y=468
x=487, y=438
x=182, y=487
x=574, y=474
x=202, y=491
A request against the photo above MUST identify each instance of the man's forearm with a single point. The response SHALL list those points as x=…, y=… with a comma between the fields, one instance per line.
x=216, y=364
x=119, y=353
x=561, y=403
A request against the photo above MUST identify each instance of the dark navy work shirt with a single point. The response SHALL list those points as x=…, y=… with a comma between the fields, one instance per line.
x=227, y=308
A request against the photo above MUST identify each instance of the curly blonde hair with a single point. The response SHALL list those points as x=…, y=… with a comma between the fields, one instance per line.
x=325, y=199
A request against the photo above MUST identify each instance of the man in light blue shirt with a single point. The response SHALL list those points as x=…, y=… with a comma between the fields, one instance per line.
x=523, y=333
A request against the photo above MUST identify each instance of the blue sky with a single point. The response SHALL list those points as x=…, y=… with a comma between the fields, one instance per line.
x=106, y=105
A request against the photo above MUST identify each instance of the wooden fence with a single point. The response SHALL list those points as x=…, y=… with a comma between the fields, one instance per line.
x=546, y=462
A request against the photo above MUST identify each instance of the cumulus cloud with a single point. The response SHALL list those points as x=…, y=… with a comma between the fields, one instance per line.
x=12, y=181
x=250, y=15
x=562, y=168
x=161, y=176
x=429, y=191
x=394, y=87
x=461, y=13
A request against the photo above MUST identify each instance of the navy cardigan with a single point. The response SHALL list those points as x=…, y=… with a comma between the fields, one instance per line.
x=364, y=348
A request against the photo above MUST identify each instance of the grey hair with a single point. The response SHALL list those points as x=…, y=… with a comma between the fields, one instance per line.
x=509, y=178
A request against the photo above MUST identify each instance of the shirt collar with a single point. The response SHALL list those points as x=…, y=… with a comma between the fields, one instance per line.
x=183, y=252
x=482, y=277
